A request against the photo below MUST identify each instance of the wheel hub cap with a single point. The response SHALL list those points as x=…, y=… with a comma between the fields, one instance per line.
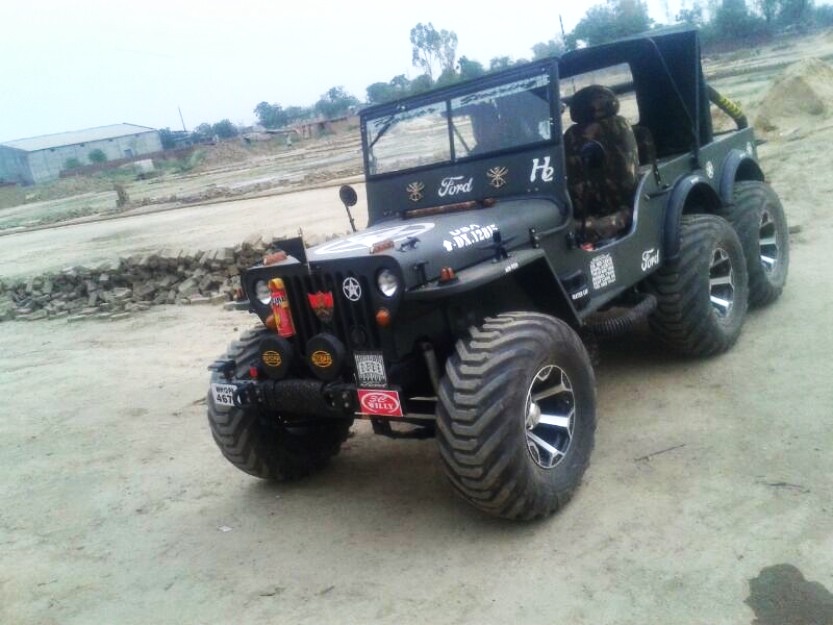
x=550, y=416
x=721, y=283
x=769, y=244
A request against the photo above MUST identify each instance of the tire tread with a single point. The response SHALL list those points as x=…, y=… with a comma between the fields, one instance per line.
x=477, y=441
x=684, y=319
x=261, y=446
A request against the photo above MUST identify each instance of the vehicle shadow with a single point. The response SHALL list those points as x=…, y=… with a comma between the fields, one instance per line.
x=376, y=483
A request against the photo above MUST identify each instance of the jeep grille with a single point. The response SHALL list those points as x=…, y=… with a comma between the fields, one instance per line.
x=353, y=322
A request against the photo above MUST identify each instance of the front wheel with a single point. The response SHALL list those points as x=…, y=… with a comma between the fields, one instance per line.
x=255, y=441
x=516, y=416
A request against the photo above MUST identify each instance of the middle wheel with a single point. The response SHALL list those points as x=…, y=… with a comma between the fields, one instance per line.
x=702, y=294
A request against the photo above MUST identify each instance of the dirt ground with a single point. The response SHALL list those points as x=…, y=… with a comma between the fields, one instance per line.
x=708, y=499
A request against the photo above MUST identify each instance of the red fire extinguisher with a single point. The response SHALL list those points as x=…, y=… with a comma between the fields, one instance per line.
x=280, y=308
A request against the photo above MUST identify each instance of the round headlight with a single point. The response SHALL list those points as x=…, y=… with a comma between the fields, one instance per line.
x=262, y=292
x=387, y=282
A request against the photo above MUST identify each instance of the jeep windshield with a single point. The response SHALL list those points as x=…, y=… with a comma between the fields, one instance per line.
x=456, y=125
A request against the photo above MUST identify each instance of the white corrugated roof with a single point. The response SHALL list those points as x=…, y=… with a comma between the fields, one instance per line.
x=57, y=140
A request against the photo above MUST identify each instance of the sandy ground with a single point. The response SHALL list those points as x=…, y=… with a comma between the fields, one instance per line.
x=116, y=507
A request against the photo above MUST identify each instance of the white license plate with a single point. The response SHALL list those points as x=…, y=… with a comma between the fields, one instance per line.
x=223, y=394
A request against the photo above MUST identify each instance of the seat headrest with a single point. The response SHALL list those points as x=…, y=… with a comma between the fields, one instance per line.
x=592, y=104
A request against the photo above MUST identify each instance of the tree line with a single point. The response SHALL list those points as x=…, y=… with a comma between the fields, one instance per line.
x=722, y=23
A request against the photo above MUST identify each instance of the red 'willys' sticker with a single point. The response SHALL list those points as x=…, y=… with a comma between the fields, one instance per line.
x=381, y=403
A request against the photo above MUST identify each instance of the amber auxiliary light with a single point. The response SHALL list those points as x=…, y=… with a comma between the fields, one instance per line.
x=447, y=275
x=383, y=317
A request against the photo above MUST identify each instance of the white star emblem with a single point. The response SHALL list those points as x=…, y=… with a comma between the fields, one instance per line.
x=352, y=289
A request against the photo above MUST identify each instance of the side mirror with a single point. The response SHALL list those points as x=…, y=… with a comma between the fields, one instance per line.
x=348, y=197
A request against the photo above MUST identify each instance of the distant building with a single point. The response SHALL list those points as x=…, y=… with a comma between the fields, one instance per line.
x=321, y=127
x=41, y=159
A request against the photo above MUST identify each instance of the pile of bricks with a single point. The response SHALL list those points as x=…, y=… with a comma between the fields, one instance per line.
x=115, y=290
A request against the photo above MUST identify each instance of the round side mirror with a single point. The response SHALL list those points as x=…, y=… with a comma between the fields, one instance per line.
x=348, y=195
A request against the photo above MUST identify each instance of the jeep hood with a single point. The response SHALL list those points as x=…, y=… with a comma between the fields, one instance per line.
x=423, y=246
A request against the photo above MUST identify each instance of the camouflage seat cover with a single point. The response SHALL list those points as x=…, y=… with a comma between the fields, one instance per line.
x=602, y=196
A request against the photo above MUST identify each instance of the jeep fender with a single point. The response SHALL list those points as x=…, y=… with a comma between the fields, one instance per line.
x=739, y=165
x=691, y=194
x=530, y=269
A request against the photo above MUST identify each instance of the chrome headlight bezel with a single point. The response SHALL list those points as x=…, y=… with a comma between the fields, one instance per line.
x=262, y=292
x=387, y=282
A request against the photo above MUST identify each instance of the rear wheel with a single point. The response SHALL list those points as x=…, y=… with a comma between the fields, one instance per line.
x=516, y=415
x=702, y=295
x=255, y=441
x=758, y=218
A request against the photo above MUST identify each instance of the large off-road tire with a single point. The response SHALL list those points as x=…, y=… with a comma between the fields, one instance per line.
x=758, y=218
x=256, y=442
x=516, y=416
x=701, y=296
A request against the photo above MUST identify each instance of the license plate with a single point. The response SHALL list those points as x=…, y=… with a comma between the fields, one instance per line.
x=370, y=369
x=223, y=394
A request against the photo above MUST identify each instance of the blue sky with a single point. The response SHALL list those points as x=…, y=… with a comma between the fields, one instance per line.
x=71, y=65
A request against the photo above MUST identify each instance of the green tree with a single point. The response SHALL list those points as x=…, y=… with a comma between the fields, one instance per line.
x=397, y=87
x=612, y=20
x=167, y=137
x=224, y=129
x=470, y=68
x=768, y=9
x=448, y=77
x=692, y=16
x=335, y=103
x=544, y=49
x=296, y=113
x=421, y=84
x=632, y=16
x=270, y=115
x=794, y=11
x=448, y=50
x=401, y=83
x=201, y=133
x=72, y=163
x=595, y=26
x=500, y=62
x=432, y=49
x=823, y=15
x=380, y=92
x=733, y=21
x=97, y=156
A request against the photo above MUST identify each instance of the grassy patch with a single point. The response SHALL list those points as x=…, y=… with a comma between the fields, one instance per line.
x=11, y=196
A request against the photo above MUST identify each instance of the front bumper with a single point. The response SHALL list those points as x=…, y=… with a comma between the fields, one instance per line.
x=293, y=400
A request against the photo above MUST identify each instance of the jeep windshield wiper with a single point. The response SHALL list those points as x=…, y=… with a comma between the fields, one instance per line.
x=385, y=127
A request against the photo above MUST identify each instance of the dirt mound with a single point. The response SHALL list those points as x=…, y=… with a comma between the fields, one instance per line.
x=803, y=91
x=224, y=152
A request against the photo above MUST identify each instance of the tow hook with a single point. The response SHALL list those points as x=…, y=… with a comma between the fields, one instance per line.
x=224, y=367
x=245, y=394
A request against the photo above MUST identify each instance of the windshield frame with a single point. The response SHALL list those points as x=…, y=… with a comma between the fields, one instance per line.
x=378, y=121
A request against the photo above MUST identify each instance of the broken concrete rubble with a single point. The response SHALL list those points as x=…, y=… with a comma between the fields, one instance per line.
x=115, y=289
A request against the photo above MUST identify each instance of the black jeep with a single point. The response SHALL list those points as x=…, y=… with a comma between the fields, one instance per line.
x=502, y=238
